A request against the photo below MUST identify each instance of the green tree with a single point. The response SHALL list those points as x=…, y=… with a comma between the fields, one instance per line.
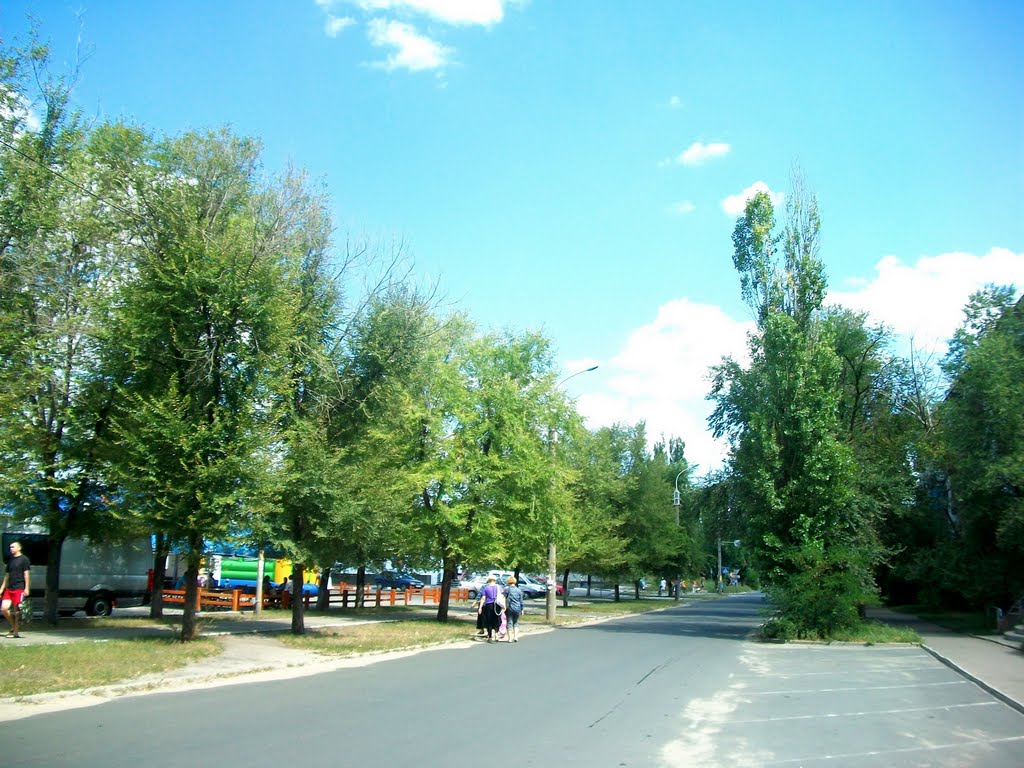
x=202, y=325
x=58, y=274
x=792, y=477
x=982, y=427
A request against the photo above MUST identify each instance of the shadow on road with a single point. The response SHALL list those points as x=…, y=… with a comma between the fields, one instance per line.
x=731, y=618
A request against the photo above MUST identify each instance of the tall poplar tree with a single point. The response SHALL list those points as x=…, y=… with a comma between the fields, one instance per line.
x=791, y=474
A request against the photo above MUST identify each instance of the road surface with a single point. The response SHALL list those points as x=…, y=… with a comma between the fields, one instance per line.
x=680, y=687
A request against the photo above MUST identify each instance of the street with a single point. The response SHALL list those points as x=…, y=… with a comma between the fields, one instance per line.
x=680, y=687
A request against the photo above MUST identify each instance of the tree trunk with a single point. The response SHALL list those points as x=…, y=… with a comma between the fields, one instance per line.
x=617, y=597
x=188, y=613
x=323, y=598
x=54, y=547
x=565, y=589
x=447, y=577
x=590, y=580
x=360, y=586
x=156, y=600
x=298, y=620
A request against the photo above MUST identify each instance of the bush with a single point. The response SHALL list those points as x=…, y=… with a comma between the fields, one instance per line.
x=824, y=597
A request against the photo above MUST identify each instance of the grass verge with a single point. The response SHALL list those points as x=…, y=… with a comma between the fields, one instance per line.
x=45, y=668
x=873, y=632
x=964, y=622
x=380, y=636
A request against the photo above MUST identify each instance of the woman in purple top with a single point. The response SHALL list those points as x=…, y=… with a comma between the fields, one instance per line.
x=489, y=608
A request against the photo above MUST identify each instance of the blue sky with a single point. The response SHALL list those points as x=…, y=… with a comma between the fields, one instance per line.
x=576, y=166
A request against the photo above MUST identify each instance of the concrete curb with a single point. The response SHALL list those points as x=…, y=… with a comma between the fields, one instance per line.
x=1003, y=697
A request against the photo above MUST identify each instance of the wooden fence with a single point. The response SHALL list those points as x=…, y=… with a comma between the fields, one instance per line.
x=236, y=599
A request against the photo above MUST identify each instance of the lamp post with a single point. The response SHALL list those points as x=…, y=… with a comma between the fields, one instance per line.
x=552, y=592
x=735, y=543
x=677, y=501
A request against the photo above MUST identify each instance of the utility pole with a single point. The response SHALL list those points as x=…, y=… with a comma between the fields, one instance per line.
x=552, y=593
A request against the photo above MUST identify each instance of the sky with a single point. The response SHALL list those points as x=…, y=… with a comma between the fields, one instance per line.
x=577, y=166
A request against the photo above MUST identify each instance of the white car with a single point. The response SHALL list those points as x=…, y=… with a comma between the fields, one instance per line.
x=476, y=582
x=531, y=589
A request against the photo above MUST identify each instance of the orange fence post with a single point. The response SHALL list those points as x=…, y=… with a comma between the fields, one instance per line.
x=235, y=594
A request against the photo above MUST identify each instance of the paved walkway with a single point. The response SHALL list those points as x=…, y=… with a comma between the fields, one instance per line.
x=991, y=661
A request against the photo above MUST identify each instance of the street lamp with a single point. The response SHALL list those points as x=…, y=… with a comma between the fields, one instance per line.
x=552, y=593
x=735, y=543
x=677, y=501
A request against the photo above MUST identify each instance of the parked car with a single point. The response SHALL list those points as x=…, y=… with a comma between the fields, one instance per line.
x=474, y=583
x=399, y=581
x=531, y=589
x=543, y=580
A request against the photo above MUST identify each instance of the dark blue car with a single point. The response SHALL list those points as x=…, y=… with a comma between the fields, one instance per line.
x=399, y=581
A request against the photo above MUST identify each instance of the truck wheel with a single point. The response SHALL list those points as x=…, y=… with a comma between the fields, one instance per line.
x=100, y=605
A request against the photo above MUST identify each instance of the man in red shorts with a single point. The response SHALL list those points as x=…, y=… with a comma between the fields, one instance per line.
x=15, y=588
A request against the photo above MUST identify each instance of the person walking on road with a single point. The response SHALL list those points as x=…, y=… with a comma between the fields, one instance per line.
x=15, y=588
x=513, y=610
x=490, y=608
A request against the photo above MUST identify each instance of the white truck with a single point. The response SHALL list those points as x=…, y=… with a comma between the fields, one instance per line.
x=94, y=577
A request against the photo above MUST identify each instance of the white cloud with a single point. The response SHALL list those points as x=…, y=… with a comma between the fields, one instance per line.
x=683, y=208
x=925, y=301
x=660, y=377
x=734, y=204
x=335, y=24
x=412, y=50
x=698, y=153
x=456, y=12
x=660, y=374
x=675, y=102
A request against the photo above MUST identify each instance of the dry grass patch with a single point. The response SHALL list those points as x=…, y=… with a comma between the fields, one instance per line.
x=381, y=636
x=32, y=669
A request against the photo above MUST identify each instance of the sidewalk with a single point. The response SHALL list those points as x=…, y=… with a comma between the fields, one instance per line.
x=990, y=661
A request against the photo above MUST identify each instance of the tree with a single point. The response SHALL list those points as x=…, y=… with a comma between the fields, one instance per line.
x=202, y=321
x=58, y=274
x=791, y=475
x=982, y=428
x=591, y=538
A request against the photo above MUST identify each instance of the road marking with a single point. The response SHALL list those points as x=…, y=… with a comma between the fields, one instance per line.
x=865, y=713
x=857, y=688
x=860, y=670
x=901, y=751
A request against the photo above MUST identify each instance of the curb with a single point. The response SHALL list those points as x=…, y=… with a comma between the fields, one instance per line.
x=1003, y=697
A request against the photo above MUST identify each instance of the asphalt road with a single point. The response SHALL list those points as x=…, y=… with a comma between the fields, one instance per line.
x=682, y=687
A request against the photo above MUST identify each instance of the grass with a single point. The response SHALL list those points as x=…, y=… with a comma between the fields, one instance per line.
x=32, y=669
x=380, y=636
x=876, y=632
x=100, y=622
x=964, y=622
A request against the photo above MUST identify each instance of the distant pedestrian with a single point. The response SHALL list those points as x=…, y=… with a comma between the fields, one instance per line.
x=16, y=587
x=661, y=587
x=490, y=608
x=514, y=606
